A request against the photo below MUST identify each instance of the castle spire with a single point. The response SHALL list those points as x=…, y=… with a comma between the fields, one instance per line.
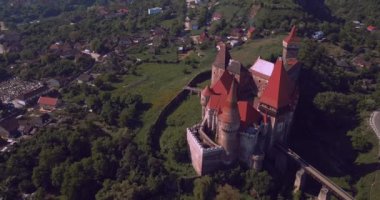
x=230, y=111
x=223, y=57
x=292, y=37
x=278, y=92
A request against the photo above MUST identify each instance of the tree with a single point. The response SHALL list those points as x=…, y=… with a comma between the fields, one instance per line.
x=79, y=181
x=57, y=174
x=335, y=103
x=257, y=181
x=41, y=176
x=227, y=192
x=123, y=190
x=96, y=45
x=203, y=188
x=359, y=140
x=126, y=116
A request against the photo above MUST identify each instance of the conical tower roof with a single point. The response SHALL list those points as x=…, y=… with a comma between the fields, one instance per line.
x=280, y=87
x=230, y=112
x=292, y=37
x=207, y=91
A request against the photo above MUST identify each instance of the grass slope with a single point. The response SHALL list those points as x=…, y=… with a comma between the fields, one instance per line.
x=250, y=51
x=158, y=84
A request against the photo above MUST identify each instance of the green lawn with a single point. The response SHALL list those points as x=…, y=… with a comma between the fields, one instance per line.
x=186, y=115
x=166, y=54
x=227, y=12
x=158, y=84
x=250, y=51
x=368, y=185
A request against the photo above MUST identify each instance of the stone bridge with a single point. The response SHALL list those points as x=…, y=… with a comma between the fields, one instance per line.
x=193, y=89
x=328, y=187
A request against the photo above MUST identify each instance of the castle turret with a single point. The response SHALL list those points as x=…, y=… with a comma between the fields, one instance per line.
x=290, y=46
x=277, y=96
x=228, y=126
x=205, y=97
x=276, y=102
x=220, y=64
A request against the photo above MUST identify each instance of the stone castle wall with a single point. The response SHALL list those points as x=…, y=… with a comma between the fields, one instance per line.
x=158, y=126
x=248, y=144
x=204, y=160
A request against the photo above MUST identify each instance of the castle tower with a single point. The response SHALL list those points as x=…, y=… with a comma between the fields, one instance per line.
x=290, y=46
x=205, y=97
x=228, y=126
x=276, y=102
x=277, y=95
x=220, y=64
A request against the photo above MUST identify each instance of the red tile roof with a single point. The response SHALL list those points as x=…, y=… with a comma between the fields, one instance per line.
x=48, y=101
x=371, y=28
x=248, y=114
x=214, y=102
x=278, y=92
x=217, y=16
x=203, y=37
x=230, y=111
x=292, y=37
x=207, y=91
x=251, y=29
x=222, y=86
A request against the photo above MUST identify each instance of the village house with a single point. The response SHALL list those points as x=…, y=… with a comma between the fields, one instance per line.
x=188, y=24
x=371, y=28
x=203, y=37
x=48, y=104
x=250, y=32
x=154, y=11
x=360, y=62
x=30, y=96
x=216, y=16
x=84, y=78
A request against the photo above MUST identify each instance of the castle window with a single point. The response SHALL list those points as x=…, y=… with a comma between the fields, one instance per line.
x=280, y=126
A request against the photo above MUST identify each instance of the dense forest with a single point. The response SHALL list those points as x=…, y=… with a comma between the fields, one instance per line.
x=84, y=159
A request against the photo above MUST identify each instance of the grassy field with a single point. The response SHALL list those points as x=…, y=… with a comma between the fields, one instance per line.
x=158, y=84
x=187, y=114
x=250, y=51
x=368, y=185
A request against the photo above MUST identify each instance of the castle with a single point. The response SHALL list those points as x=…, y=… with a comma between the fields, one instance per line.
x=245, y=111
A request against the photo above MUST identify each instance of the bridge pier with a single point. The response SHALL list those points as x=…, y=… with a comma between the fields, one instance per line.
x=299, y=182
x=324, y=194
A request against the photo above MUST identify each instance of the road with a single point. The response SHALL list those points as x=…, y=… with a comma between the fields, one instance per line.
x=375, y=123
x=317, y=175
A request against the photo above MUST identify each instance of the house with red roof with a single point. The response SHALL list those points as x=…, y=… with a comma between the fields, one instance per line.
x=216, y=16
x=371, y=28
x=251, y=32
x=245, y=112
x=48, y=104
